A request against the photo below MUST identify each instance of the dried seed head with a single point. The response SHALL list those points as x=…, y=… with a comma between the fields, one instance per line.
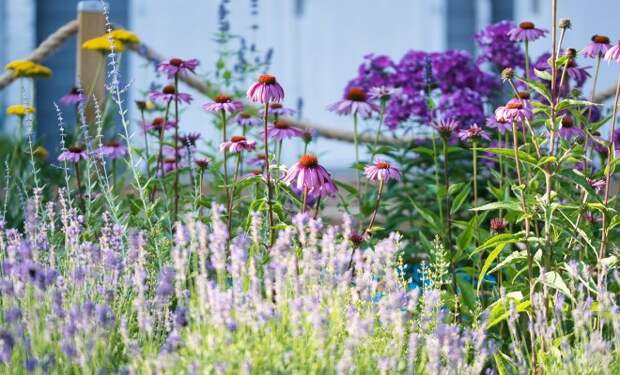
x=565, y=23
x=508, y=74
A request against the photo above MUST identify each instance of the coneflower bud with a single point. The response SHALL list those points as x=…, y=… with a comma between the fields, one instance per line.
x=141, y=104
x=40, y=153
x=565, y=23
x=498, y=224
x=202, y=163
x=307, y=136
x=508, y=74
x=571, y=52
x=356, y=239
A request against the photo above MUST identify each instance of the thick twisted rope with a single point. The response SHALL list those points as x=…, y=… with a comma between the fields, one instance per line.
x=52, y=42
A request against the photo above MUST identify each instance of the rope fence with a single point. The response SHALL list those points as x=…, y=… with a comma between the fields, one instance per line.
x=56, y=39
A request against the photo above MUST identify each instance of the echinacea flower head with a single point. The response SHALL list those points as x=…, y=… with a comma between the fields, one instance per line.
x=383, y=93
x=176, y=66
x=381, y=171
x=246, y=119
x=473, y=134
x=445, y=127
x=223, y=103
x=112, y=150
x=104, y=45
x=73, y=154
x=202, y=163
x=20, y=110
x=308, y=175
x=498, y=224
x=501, y=124
x=123, y=36
x=282, y=129
x=356, y=239
x=169, y=94
x=158, y=124
x=27, y=68
x=354, y=102
x=526, y=31
x=515, y=110
x=170, y=165
x=74, y=97
x=277, y=109
x=569, y=130
x=598, y=185
x=265, y=90
x=613, y=54
x=238, y=143
x=598, y=47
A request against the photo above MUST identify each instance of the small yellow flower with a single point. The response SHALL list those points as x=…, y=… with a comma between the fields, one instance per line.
x=149, y=105
x=123, y=36
x=20, y=110
x=27, y=68
x=40, y=153
x=103, y=44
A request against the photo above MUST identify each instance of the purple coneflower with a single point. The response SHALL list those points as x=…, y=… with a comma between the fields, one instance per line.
x=381, y=171
x=282, y=129
x=112, y=150
x=445, y=128
x=568, y=129
x=158, y=124
x=501, y=124
x=526, y=31
x=74, y=97
x=73, y=154
x=169, y=165
x=514, y=110
x=498, y=224
x=355, y=102
x=598, y=185
x=202, y=163
x=238, y=143
x=168, y=94
x=223, y=103
x=246, y=119
x=308, y=175
x=175, y=66
x=613, y=53
x=473, y=134
x=598, y=47
x=383, y=93
x=277, y=109
x=265, y=90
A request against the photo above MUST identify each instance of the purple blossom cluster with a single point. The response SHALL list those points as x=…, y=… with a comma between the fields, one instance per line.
x=496, y=47
x=453, y=75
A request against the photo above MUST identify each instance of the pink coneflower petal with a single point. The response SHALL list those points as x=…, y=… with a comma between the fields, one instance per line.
x=175, y=65
x=238, y=143
x=381, y=171
x=308, y=175
x=281, y=129
x=265, y=90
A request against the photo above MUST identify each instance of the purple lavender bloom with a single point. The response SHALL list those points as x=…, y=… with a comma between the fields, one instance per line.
x=73, y=154
x=473, y=134
x=265, y=90
x=223, y=103
x=169, y=94
x=613, y=54
x=111, y=150
x=6, y=346
x=165, y=287
x=282, y=129
x=189, y=139
x=74, y=97
x=496, y=46
x=355, y=102
x=598, y=47
x=526, y=32
x=246, y=119
x=176, y=66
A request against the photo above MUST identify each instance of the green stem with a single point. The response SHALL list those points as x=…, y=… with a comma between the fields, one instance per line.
x=378, y=135
x=374, y=212
x=176, y=148
x=357, y=161
x=268, y=173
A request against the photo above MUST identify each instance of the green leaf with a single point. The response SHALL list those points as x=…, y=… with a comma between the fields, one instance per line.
x=467, y=235
x=348, y=188
x=460, y=198
x=521, y=307
x=543, y=74
x=427, y=215
x=539, y=88
x=523, y=156
x=506, y=205
x=487, y=263
x=512, y=257
x=553, y=280
x=468, y=296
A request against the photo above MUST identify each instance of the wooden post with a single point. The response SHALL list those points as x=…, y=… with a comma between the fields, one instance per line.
x=91, y=65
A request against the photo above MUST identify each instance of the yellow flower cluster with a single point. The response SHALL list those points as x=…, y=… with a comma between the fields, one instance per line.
x=20, y=110
x=27, y=68
x=114, y=40
x=40, y=153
